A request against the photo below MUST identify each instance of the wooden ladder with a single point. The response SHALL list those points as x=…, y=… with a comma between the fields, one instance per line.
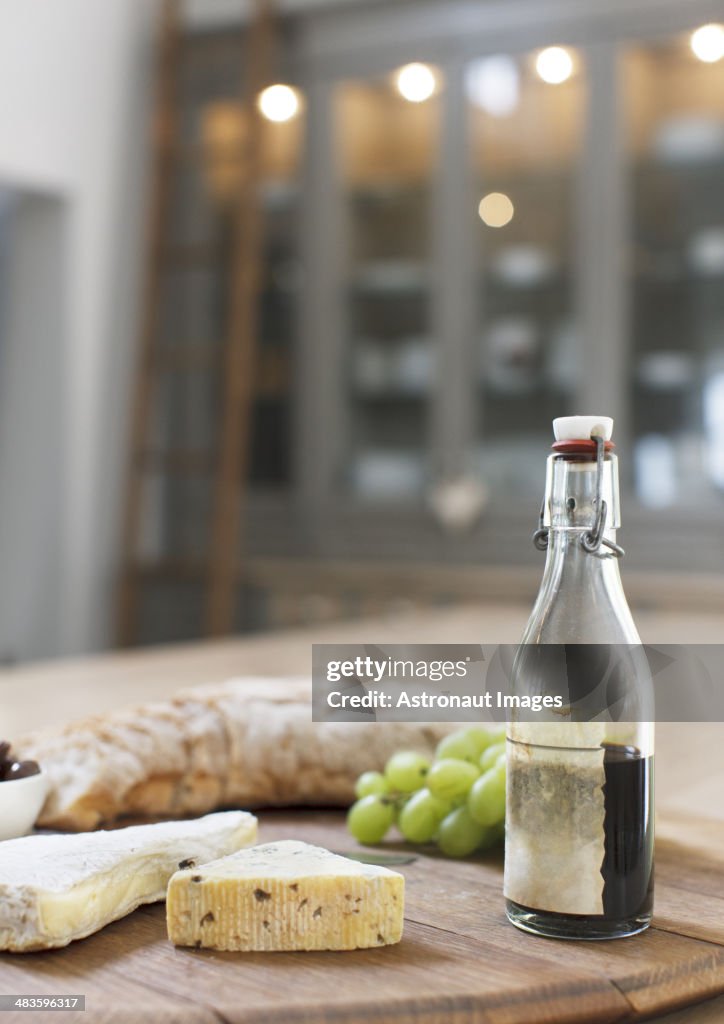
x=228, y=466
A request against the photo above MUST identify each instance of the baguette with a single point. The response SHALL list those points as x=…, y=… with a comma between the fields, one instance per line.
x=243, y=743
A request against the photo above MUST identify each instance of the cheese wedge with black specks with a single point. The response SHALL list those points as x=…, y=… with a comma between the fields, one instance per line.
x=286, y=895
x=57, y=888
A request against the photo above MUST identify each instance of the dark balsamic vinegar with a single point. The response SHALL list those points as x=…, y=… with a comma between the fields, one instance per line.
x=628, y=864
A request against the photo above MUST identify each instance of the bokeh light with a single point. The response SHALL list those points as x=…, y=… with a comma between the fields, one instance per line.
x=554, y=65
x=707, y=43
x=493, y=85
x=416, y=82
x=279, y=103
x=496, y=209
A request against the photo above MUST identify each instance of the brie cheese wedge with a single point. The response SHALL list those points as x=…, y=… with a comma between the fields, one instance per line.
x=285, y=896
x=57, y=888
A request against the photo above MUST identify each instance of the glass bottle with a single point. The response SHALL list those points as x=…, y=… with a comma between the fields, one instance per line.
x=579, y=822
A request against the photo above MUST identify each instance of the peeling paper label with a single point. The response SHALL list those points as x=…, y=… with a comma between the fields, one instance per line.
x=554, y=835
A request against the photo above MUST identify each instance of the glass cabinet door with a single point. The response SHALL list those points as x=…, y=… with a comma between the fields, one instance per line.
x=675, y=147
x=525, y=129
x=209, y=173
x=206, y=177
x=282, y=132
x=282, y=151
x=385, y=152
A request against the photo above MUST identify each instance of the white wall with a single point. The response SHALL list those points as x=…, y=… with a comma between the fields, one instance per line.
x=74, y=94
x=31, y=428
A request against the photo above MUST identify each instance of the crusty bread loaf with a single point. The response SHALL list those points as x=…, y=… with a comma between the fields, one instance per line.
x=243, y=743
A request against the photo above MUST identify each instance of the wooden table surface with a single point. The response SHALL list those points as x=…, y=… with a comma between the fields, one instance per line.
x=131, y=965
x=459, y=961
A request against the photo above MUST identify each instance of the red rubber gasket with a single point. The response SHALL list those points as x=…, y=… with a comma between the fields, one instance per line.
x=584, y=446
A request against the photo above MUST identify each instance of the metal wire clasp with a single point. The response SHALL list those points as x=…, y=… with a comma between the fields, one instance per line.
x=540, y=537
x=591, y=540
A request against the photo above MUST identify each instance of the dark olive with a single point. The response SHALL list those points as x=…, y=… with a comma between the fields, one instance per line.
x=21, y=770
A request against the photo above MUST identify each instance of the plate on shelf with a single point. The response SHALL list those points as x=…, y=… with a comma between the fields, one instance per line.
x=509, y=355
x=389, y=473
x=705, y=251
x=401, y=366
x=686, y=139
x=665, y=371
x=523, y=266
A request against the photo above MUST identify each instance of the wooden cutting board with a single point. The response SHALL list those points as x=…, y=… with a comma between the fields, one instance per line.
x=460, y=962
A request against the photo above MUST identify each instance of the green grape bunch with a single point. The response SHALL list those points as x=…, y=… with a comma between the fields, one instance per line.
x=456, y=801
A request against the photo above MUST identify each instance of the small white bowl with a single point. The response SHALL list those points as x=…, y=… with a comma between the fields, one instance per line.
x=21, y=801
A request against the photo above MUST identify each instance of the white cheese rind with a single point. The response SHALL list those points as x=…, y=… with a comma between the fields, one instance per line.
x=285, y=896
x=57, y=888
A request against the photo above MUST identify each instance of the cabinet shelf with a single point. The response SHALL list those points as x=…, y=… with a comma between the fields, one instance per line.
x=493, y=283
x=384, y=280
x=391, y=396
x=388, y=192
x=650, y=166
x=178, y=462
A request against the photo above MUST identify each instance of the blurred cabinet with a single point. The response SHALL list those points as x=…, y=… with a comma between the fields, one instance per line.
x=675, y=152
x=385, y=156
x=451, y=260
x=540, y=234
x=187, y=397
x=525, y=137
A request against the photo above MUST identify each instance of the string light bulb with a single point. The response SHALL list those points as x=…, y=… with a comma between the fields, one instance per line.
x=278, y=103
x=554, y=65
x=496, y=209
x=707, y=43
x=416, y=82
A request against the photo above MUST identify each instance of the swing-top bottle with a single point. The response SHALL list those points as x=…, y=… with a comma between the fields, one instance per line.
x=579, y=826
